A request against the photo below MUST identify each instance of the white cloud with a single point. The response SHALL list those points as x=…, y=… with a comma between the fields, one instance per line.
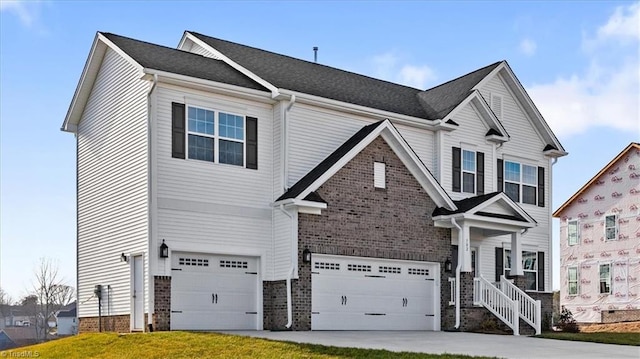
x=528, y=47
x=388, y=67
x=607, y=92
x=26, y=11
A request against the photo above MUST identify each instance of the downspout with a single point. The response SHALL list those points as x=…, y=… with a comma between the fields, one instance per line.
x=458, y=266
x=285, y=142
x=551, y=246
x=291, y=271
x=150, y=204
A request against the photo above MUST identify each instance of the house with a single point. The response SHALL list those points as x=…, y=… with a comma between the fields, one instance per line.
x=11, y=337
x=5, y=341
x=67, y=322
x=221, y=186
x=600, y=244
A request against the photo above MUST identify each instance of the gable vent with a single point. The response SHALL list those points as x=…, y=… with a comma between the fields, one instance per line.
x=379, y=178
x=496, y=105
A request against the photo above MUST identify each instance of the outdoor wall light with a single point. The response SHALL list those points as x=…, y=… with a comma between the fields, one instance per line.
x=124, y=258
x=164, y=250
x=306, y=256
x=447, y=265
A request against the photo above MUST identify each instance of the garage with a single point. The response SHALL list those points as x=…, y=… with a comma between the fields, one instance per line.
x=214, y=292
x=355, y=293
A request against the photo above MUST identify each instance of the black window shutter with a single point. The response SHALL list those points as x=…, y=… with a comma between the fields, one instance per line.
x=252, y=143
x=454, y=258
x=540, y=186
x=499, y=263
x=479, y=173
x=500, y=176
x=177, y=130
x=456, y=172
x=541, y=271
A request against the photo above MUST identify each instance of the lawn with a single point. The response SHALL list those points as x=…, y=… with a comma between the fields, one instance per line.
x=599, y=337
x=200, y=345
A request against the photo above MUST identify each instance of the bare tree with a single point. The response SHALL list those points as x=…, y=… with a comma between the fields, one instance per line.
x=52, y=294
x=5, y=304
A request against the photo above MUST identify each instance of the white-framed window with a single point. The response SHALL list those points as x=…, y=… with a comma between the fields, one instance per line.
x=215, y=136
x=468, y=171
x=605, y=278
x=573, y=232
x=611, y=227
x=529, y=267
x=521, y=182
x=572, y=281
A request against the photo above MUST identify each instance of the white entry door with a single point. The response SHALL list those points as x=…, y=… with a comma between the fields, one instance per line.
x=214, y=292
x=354, y=293
x=138, y=293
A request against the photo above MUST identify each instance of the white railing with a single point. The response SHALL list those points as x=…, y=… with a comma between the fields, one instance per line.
x=498, y=303
x=528, y=308
x=452, y=287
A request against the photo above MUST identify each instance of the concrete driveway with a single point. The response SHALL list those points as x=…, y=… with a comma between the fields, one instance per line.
x=503, y=346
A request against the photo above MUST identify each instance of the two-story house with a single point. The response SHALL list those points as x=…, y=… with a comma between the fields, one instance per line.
x=220, y=186
x=600, y=243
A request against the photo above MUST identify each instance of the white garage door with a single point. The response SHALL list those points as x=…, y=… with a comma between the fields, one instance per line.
x=354, y=293
x=213, y=292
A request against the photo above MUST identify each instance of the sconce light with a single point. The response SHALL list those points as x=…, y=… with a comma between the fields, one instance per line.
x=124, y=258
x=447, y=265
x=306, y=256
x=164, y=250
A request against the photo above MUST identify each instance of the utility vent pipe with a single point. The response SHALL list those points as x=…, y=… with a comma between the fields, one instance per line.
x=315, y=54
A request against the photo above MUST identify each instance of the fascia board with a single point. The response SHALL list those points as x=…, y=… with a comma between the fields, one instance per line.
x=235, y=65
x=499, y=221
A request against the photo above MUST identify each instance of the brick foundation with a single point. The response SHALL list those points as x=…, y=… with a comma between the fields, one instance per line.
x=621, y=315
x=113, y=323
x=162, y=303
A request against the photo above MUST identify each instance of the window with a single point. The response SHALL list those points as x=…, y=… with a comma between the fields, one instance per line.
x=529, y=267
x=605, y=278
x=611, y=227
x=572, y=279
x=572, y=232
x=203, y=139
x=521, y=182
x=468, y=171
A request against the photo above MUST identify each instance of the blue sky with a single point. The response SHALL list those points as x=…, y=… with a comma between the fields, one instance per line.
x=578, y=60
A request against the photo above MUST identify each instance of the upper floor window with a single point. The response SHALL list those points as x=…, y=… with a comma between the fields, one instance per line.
x=572, y=232
x=214, y=136
x=605, y=278
x=572, y=281
x=521, y=182
x=611, y=227
x=468, y=171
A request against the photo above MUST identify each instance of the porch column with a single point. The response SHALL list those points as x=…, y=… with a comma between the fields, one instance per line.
x=516, y=254
x=465, y=250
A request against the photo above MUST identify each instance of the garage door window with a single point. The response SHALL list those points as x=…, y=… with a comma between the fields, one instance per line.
x=395, y=270
x=418, y=271
x=359, y=267
x=193, y=262
x=326, y=265
x=233, y=264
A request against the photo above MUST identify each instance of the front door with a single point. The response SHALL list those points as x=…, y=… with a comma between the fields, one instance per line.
x=138, y=293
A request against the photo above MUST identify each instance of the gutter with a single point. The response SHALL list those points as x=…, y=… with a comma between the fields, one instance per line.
x=149, y=202
x=458, y=267
x=291, y=271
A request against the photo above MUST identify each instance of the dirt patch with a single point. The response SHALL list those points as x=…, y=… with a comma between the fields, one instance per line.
x=626, y=327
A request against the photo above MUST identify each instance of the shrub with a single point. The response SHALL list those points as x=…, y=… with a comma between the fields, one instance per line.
x=567, y=323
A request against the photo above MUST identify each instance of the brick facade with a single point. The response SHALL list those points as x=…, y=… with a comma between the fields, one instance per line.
x=112, y=323
x=162, y=302
x=620, y=315
x=362, y=221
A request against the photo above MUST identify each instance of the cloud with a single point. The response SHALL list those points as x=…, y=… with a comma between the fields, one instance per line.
x=388, y=66
x=528, y=47
x=607, y=92
x=26, y=11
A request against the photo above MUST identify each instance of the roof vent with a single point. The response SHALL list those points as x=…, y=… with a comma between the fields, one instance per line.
x=315, y=54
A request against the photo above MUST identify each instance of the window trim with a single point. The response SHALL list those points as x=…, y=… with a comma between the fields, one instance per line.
x=615, y=227
x=521, y=182
x=609, y=279
x=463, y=171
x=216, y=134
x=577, y=239
x=569, y=281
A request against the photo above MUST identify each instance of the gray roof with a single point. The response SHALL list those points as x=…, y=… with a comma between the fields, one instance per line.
x=181, y=62
x=328, y=82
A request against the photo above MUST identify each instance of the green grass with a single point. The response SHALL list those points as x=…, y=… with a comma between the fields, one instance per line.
x=602, y=337
x=199, y=345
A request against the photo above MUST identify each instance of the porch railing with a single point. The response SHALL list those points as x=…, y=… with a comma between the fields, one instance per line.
x=498, y=303
x=452, y=287
x=528, y=308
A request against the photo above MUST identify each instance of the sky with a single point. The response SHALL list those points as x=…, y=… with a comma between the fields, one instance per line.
x=579, y=61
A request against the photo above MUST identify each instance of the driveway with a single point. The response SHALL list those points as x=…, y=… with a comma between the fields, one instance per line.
x=503, y=346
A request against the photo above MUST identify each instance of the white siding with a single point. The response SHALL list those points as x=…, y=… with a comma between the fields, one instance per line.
x=112, y=185
x=214, y=208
